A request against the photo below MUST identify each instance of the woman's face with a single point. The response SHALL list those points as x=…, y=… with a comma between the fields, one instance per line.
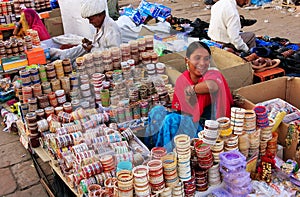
x=199, y=62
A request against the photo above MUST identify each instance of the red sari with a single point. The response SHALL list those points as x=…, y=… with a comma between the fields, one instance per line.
x=222, y=98
x=34, y=22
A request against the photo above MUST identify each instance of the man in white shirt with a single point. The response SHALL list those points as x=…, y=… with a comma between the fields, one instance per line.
x=225, y=25
x=107, y=33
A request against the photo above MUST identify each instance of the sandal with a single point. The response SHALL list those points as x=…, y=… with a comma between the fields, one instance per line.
x=269, y=65
x=251, y=57
x=288, y=53
x=259, y=63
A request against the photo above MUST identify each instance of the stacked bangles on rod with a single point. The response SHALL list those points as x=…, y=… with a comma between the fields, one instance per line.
x=237, y=120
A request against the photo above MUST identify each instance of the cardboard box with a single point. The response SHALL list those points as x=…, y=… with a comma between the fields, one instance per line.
x=236, y=71
x=36, y=56
x=54, y=26
x=175, y=65
x=285, y=88
x=54, y=13
x=14, y=65
x=13, y=59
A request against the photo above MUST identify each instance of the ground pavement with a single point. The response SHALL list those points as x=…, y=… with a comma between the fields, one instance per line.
x=18, y=177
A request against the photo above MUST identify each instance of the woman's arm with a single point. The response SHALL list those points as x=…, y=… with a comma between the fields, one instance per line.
x=17, y=29
x=207, y=86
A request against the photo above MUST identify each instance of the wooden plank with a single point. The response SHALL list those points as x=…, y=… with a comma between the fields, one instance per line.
x=42, y=154
x=47, y=188
x=57, y=170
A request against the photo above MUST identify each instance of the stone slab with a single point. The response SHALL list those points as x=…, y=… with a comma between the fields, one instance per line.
x=25, y=174
x=34, y=191
x=12, y=153
x=7, y=182
x=7, y=138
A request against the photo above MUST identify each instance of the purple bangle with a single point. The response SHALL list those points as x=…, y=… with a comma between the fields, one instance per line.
x=260, y=110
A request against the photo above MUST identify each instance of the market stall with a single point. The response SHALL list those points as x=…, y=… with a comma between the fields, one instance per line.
x=91, y=123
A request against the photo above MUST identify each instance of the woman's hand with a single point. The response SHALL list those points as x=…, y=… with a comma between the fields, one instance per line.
x=190, y=90
x=190, y=95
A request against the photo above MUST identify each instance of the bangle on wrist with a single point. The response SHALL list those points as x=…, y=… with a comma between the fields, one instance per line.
x=194, y=88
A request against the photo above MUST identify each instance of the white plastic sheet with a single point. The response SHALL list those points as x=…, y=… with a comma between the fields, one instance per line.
x=72, y=21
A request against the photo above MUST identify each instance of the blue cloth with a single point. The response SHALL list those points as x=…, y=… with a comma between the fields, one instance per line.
x=263, y=43
x=175, y=124
x=294, y=47
x=155, y=120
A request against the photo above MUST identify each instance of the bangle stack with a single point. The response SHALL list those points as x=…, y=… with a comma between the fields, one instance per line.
x=201, y=179
x=244, y=144
x=190, y=187
x=158, y=152
x=254, y=142
x=217, y=149
x=156, y=177
x=109, y=185
x=92, y=169
x=84, y=155
x=262, y=120
x=141, y=182
x=250, y=121
x=40, y=113
x=272, y=144
x=170, y=169
x=224, y=127
x=210, y=133
x=231, y=143
x=204, y=155
x=108, y=163
x=125, y=183
x=237, y=120
x=182, y=143
x=214, y=177
x=178, y=190
x=266, y=132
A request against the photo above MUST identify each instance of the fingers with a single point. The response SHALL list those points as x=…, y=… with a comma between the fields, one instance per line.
x=87, y=47
x=189, y=91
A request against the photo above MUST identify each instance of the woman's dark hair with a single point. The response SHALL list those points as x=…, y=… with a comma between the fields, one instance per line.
x=195, y=45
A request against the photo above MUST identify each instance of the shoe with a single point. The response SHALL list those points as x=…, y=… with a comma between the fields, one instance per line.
x=294, y=59
x=247, y=22
x=199, y=23
x=261, y=51
x=282, y=41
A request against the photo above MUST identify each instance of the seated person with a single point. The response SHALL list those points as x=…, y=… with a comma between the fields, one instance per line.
x=225, y=26
x=107, y=33
x=199, y=91
x=31, y=20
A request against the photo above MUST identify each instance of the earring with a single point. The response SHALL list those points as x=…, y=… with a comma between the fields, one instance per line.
x=187, y=67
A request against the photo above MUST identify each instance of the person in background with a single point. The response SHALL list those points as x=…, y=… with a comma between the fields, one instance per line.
x=31, y=20
x=113, y=9
x=200, y=91
x=225, y=26
x=107, y=33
